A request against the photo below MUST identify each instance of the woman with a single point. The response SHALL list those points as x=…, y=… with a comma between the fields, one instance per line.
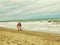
x=19, y=26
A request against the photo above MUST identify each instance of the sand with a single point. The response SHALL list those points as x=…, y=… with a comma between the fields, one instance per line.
x=14, y=37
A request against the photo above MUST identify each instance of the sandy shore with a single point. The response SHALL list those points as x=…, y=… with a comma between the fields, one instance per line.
x=13, y=37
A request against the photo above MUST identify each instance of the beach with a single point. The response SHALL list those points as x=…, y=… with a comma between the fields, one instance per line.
x=13, y=37
x=29, y=22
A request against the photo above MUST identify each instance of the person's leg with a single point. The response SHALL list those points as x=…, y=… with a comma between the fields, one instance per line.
x=18, y=28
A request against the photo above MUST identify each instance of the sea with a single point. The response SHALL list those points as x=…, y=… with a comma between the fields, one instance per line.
x=42, y=26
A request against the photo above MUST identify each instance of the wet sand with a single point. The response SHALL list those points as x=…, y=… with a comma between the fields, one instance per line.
x=14, y=37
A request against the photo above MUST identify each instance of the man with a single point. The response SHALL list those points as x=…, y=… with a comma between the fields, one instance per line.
x=19, y=26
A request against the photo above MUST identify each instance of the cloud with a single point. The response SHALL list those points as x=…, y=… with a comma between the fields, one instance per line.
x=28, y=8
x=16, y=0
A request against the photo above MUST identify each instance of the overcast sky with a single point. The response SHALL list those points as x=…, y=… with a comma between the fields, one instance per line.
x=29, y=9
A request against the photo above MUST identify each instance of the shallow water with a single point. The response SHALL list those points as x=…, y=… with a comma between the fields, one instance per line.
x=34, y=26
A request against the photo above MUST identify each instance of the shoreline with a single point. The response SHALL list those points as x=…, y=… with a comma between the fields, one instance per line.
x=50, y=27
x=15, y=30
x=12, y=29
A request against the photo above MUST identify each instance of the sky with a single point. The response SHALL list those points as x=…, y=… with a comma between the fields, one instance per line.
x=29, y=9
